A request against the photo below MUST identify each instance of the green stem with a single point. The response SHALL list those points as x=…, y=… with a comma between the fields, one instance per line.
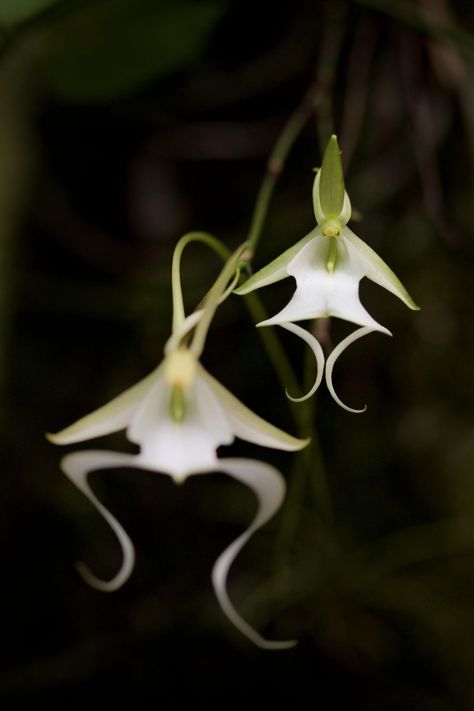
x=317, y=95
x=321, y=494
x=276, y=353
x=309, y=463
x=213, y=299
x=205, y=238
x=275, y=166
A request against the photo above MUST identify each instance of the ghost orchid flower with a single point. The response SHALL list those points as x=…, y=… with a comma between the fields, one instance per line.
x=328, y=265
x=179, y=415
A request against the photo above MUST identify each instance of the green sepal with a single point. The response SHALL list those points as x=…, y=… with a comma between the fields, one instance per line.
x=331, y=182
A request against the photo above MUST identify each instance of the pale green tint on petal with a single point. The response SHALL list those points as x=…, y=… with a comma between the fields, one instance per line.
x=331, y=180
x=346, y=213
x=76, y=467
x=313, y=343
x=318, y=212
x=179, y=448
x=332, y=360
x=378, y=271
x=269, y=488
x=276, y=270
x=113, y=417
x=246, y=424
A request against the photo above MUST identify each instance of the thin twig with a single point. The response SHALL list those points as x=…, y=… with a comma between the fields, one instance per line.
x=357, y=86
x=316, y=99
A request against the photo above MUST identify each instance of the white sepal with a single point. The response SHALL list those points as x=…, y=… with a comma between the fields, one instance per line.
x=246, y=424
x=276, y=270
x=379, y=272
x=112, y=417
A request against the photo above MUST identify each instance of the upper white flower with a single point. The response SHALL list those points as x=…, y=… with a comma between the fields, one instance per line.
x=179, y=415
x=328, y=265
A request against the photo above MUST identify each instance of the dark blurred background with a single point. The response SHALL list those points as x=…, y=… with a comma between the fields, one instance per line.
x=124, y=124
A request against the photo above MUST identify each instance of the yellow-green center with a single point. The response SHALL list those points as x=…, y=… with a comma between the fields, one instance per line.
x=331, y=227
x=180, y=371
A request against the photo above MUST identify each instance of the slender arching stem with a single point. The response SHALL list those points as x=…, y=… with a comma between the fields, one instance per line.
x=205, y=238
x=214, y=297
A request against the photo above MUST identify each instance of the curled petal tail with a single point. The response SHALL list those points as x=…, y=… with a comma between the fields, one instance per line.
x=340, y=348
x=76, y=467
x=315, y=346
x=269, y=488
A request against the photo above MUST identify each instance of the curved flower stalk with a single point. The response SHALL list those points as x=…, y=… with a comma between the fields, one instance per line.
x=179, y=415
x=328, y=265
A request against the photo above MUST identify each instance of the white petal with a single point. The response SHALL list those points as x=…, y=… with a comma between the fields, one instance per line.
x=318, y=354
x=376, y=269
x=320, y=293
x=180, y=448
x=276, y=270
x=269, y=488
x=246, y=424
x=332, y=360
x=318, y=211
x=76, y=467
x=346, y=213
x=112, y=417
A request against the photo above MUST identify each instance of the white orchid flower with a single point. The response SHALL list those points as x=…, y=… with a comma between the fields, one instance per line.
x=328, y=265
x=179, y=415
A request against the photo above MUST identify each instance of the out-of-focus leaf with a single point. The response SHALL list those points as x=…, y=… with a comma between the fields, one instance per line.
x=13, y=11
x=118, y=46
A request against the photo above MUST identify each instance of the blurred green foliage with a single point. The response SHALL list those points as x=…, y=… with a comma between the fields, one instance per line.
x=114, y=47
x=13, y=11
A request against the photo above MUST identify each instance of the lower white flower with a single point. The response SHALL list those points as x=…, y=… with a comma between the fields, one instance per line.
x=179, y=415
